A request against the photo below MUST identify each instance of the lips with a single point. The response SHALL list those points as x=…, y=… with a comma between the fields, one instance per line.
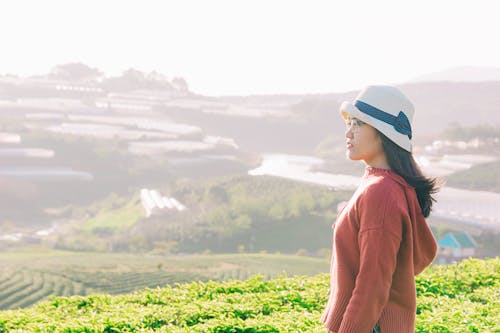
x=348, y=145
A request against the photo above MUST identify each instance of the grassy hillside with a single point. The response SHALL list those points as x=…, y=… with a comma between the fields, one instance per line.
x=27, y=278
x=483, y=177
x=460, y=298
x=224, y=215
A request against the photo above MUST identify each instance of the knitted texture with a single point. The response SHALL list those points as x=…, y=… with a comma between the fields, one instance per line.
x=380, y=242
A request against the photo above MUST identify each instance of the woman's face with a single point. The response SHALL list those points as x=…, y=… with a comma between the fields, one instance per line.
x=364, y=143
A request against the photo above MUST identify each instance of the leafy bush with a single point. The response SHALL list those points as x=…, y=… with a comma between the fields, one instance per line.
x=464, y=297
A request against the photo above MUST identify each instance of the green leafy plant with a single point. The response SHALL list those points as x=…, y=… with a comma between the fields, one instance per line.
x=463, y=297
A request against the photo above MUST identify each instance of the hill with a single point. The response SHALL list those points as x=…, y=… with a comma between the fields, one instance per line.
x=223, y=215
x=438, y=106
x=484, y=177
x=462, y=74
x=459, y=298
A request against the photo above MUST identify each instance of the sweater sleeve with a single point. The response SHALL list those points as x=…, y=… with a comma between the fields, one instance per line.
x=379, y=238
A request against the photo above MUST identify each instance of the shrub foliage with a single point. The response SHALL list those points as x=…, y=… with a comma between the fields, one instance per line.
x=463, y=297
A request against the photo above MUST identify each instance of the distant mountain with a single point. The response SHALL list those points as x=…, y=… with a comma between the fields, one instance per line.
x=439, y=105
x=462, y=74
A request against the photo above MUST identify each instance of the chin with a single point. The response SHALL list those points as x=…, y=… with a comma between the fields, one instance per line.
x=350, y=156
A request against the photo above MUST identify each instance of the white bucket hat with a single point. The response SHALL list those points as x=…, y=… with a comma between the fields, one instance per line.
x=386, y=109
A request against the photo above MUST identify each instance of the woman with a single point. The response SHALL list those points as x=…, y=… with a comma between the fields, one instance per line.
x=380, y=239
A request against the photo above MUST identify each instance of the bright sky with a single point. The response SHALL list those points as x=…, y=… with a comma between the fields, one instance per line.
x=226, y=47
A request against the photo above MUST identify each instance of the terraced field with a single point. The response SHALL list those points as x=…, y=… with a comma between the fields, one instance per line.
x=27, y=278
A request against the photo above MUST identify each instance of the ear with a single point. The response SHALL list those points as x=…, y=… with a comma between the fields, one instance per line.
x=377, y=134
x=378, y=138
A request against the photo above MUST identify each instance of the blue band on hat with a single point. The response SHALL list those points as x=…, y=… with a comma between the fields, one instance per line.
x=400, y=123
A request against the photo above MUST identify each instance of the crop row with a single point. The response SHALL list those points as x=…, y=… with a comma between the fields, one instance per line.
x=24, y=286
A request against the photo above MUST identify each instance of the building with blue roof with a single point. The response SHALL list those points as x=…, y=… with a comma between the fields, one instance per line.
x=457, y=245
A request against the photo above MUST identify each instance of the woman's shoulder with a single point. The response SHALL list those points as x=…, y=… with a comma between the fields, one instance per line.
x=381, y=204
x=384, y=183
x=383, y=189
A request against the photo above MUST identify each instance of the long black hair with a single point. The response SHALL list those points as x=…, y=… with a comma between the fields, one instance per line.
x=403, y=163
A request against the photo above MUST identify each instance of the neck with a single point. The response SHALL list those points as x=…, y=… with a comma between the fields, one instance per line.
x=378, y=163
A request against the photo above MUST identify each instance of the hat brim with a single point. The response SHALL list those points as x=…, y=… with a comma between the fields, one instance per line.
x=348, y=110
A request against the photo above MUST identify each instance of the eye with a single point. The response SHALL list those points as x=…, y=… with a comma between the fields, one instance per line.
x=354, y=124
x=357, y=122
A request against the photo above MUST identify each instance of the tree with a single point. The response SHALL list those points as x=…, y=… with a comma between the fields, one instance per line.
x=133, y=79
x=277, y=211
x=75, y=72
x=180, y=84
x=216, y=194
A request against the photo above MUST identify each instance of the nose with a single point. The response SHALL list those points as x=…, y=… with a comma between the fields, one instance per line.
x=348, y=133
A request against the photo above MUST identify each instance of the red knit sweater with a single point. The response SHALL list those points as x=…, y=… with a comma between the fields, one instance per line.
x=380, y=242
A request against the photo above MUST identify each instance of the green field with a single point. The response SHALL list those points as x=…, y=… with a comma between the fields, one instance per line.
x=451, y=299
x=27, y=277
